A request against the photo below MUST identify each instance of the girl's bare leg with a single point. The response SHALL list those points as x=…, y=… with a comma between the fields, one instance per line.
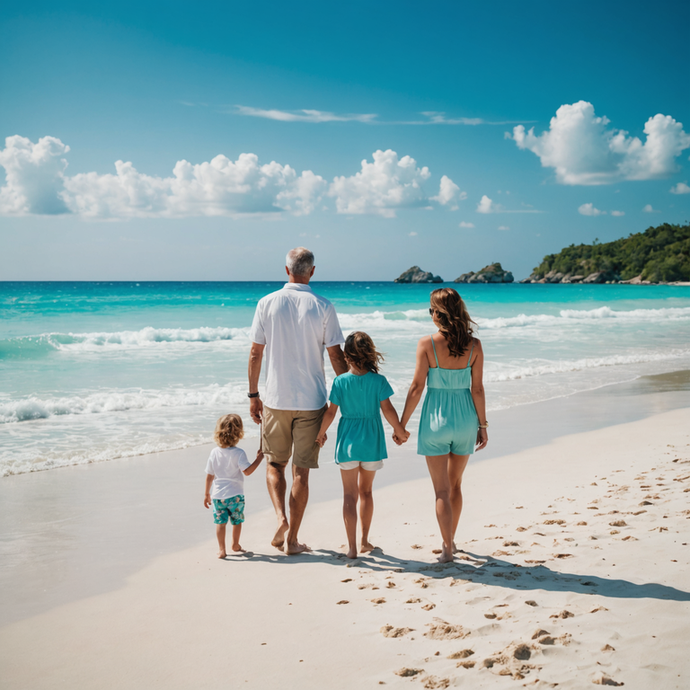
x=438, y=469
x=350, y=495
x=456, y=469
x=220, y=535
x=366, y=506
x=236, y=531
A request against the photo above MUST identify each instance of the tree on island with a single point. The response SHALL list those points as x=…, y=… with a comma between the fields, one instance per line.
x=659, y=254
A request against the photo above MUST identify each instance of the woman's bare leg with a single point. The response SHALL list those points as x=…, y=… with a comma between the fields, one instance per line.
x=366, y=506
x=438, y=469
x=456, y=468
x=350, y=495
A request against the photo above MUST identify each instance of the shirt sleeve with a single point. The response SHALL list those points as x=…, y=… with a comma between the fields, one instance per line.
x=386, y=390
x=209, y=463
x=335, y=393
x=332, y=335
x=257, y=334
x=242, y=459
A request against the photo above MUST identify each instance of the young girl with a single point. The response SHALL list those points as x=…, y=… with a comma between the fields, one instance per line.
x=226, y=468
x=362, y=394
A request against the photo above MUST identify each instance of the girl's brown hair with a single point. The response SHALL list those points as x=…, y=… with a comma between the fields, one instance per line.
x=229, y=430
x=360, y=351
x=455, y=324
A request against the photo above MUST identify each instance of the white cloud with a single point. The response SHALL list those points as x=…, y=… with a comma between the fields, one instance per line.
x=485, y=205
x=35, y=174
x=303, y=115
x=648, y=209
x=590, y=210
x=465, y=224
x=449, y=193
x=37, y=183
x=503, y=227
x=585, y=151
x=617, y=213
x=412, y=234
x=381, y=187
x=680, y=188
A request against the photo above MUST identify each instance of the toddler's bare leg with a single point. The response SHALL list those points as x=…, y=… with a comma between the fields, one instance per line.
x=350, y=495
x=220, y=534
x=236, y=531
x=366, y=506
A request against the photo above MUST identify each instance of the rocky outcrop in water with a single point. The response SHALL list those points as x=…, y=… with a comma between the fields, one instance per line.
x=416, y=275
x=493, y=273
x=567, y=278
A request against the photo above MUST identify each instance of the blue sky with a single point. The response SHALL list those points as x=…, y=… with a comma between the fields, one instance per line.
x=316, y=89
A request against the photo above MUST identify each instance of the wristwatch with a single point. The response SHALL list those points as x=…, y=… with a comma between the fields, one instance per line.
x=253, y=395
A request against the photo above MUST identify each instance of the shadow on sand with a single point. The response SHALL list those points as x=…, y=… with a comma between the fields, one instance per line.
x=471, y=567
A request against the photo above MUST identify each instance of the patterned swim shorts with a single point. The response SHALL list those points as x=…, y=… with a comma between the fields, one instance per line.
x=225, y=508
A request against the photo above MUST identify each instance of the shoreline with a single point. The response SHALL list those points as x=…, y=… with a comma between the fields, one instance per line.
x=120, y=496
x=550, y=590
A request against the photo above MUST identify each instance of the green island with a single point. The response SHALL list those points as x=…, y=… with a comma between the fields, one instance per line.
x=660, y=254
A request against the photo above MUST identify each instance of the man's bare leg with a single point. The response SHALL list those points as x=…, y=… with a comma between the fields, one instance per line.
x=299, y=495
x=277, y=486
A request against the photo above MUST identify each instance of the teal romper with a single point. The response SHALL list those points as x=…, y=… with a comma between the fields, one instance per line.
x=360, y=430
x=449, y=421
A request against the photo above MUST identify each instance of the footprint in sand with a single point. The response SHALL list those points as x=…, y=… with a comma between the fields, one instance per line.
x=380, y=600
x=416, y=546
x=408, y=672
x=429, y=607
x=603, y=679
x=441, y=630
x=390, y=585
x=462, y=654
x=342, y=601
x=563, y=614
x=413, y=600
x=390, y=631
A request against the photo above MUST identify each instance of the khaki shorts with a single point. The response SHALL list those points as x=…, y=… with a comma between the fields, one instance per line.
x=292, y=433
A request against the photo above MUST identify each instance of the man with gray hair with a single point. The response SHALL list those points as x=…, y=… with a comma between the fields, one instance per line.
x=292, y=326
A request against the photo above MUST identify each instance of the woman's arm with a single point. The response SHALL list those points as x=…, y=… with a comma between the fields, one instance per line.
x=391, y=415
x=328, y=417
x=414, y=395
x=478, y=393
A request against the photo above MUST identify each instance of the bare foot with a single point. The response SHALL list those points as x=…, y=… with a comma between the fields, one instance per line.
x=445, y=556
x=279, y=537
x=367, y=546
x=237, y=548
x=222, y=554
x=292, y=549
x=455, y=548
x=352, y=553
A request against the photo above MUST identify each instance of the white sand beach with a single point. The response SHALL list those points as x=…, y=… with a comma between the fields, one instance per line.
x=575, y=572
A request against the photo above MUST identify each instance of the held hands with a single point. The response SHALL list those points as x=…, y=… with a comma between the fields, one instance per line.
x=400, y=436
x=482, y=438
x=321, y=439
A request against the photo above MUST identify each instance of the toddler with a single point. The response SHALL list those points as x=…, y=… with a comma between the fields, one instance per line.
x=225, y=470
x=362, y=394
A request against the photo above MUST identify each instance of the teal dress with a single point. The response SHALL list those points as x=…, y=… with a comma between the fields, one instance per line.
x=360, y=430
x=449, y=421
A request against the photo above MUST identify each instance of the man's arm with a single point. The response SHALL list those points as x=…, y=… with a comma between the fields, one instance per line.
x=337, y=358
x=256, y=355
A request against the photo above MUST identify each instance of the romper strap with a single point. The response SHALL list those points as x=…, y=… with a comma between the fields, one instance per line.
x=435, y=355
x=469, y=361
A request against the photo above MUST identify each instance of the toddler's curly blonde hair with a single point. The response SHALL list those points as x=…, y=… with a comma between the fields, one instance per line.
x=229, y=430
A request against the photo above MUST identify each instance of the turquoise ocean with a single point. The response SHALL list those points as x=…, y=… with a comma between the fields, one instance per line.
x=93, y=372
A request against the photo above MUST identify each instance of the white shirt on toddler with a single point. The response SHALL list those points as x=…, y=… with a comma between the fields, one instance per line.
x=226, y=465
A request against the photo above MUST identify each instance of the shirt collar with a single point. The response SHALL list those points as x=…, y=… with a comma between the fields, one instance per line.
x=297, y=286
